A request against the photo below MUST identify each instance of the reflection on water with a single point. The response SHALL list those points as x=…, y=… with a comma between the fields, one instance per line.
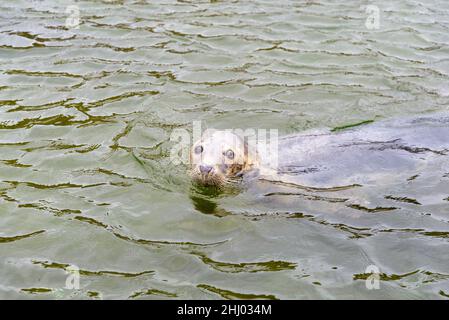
x=205, y=199
x=85, y=175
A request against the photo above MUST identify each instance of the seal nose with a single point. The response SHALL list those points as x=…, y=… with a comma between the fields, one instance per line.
x=205, y=169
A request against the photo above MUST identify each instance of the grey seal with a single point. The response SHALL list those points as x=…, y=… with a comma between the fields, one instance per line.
x=376, y=153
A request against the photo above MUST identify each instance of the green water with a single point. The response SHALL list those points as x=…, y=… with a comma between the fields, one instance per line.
x=86, y=116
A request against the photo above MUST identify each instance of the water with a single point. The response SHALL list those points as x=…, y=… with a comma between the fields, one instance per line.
x=85, y=175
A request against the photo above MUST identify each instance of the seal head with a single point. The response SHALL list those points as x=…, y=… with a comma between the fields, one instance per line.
x=218, y=157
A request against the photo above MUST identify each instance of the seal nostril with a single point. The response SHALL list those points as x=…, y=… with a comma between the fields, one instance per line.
x=205, y=169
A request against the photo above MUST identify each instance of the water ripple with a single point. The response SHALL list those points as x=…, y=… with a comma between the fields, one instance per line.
x=85, y=119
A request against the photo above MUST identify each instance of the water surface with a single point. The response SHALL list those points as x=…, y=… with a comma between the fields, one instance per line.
x=85, y=175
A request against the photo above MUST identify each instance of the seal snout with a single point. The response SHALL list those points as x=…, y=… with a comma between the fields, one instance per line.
x=205, y=169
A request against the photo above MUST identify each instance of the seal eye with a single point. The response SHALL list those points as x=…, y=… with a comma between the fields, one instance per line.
x=198, y=149
x=229, y=154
